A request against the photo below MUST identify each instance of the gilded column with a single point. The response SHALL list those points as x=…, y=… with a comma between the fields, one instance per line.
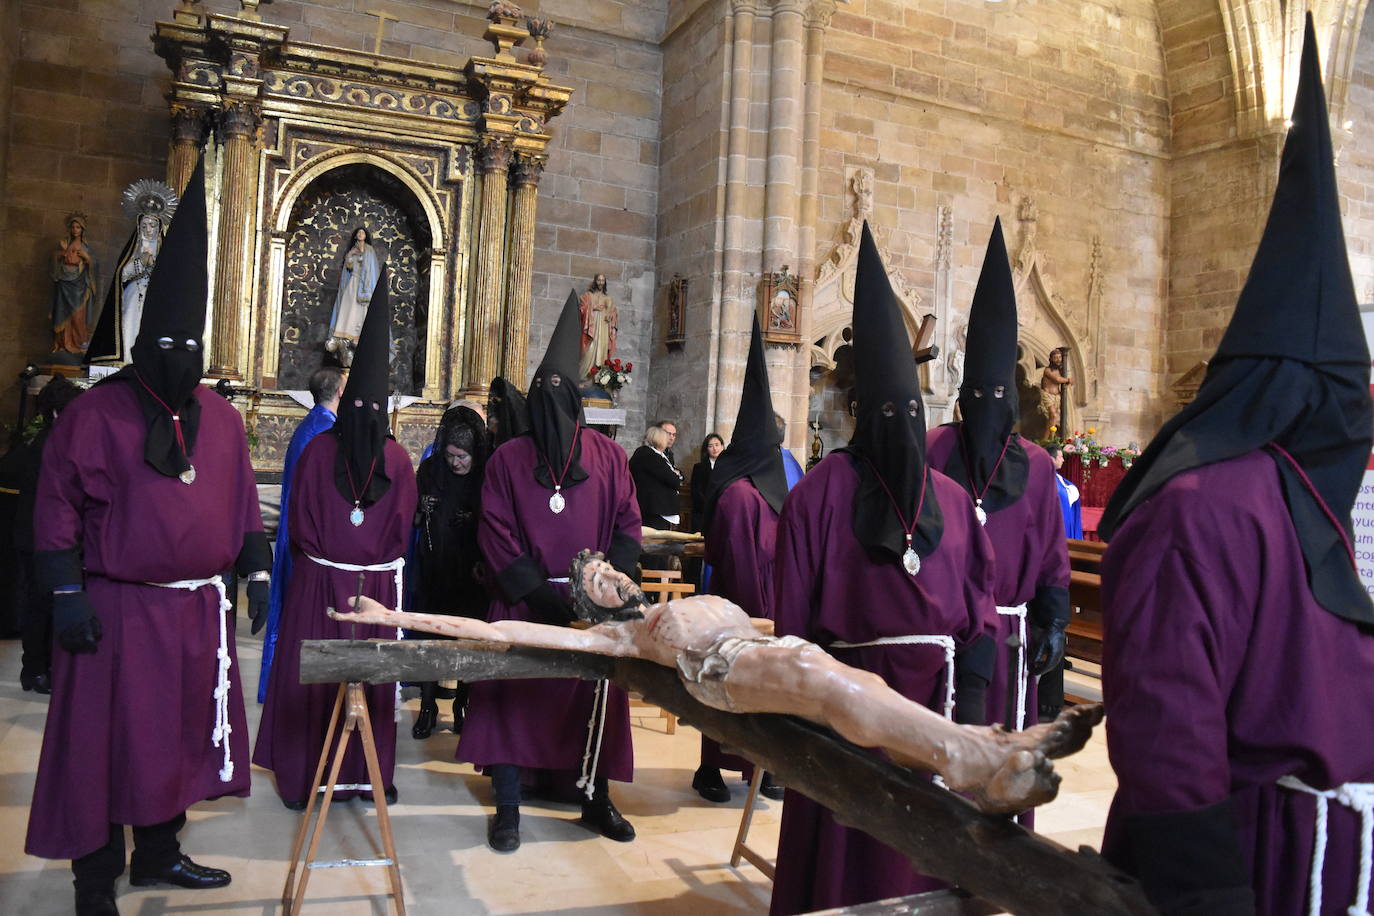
x=188, y=134
x=484, y=331
x=525, y=177
x=238, y=130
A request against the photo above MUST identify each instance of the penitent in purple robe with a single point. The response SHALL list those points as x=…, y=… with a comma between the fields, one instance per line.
x=543, y=722
x=128, y=738
x=1222, y=674
x=830, y=587
x=296, y=716
x=1031, y=553
x=740, y=547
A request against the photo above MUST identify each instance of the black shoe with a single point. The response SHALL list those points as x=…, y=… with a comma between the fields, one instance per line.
x=504, y=833
x=457, y=718
x=769, y=789
x=710, y=786
x=424, y=722
x=38, y=683
x=293, y=805
x=184, y=873
x=601, y=817
x=96, y=903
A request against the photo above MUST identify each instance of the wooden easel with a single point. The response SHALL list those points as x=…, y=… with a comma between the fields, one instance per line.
x=293, y=894
x=741, y=850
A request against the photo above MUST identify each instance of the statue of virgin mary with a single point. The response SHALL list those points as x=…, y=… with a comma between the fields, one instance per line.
x=357, y=278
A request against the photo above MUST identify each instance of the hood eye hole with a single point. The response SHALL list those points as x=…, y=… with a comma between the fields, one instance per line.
x=164, y=343
x=888, y=409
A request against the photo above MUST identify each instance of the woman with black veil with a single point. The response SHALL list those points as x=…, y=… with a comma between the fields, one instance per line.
x=446, y=554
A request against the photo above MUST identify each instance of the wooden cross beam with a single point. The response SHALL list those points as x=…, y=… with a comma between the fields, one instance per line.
x=943, y=835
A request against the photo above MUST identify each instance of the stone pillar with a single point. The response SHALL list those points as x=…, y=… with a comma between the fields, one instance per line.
x=817, y=20
x=784, y=137
x=484, y=330
x=525, y=176
x=728, y=351
x=238, y=130
x=188, y=135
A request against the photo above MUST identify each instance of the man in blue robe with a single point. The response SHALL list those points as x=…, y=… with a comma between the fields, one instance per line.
x=325, y=387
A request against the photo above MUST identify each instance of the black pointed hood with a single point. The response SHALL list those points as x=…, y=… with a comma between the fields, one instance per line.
x=990, y=462
x=889, y=442
x=555, y=404
x=1292, y=370
x=755, y=449
x=508, y=415
x=360, y=466
x=169, y=354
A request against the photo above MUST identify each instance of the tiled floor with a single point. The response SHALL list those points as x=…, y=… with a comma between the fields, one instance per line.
x=677, y=865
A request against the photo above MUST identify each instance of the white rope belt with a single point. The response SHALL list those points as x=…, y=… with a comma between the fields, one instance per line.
x=1358, y=797
x=1019, y=612
x=945, y=642
x=219, y=735
x=396, y=566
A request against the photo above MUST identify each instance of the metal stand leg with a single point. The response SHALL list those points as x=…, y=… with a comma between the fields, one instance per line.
x=356, y=720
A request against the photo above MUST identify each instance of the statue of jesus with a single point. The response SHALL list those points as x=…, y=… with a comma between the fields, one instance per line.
x=600, y=321
x=726, y=663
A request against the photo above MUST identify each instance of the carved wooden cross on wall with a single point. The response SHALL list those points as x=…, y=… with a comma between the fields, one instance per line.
x=383, y=18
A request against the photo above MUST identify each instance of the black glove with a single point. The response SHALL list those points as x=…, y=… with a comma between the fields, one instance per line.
x=550, y=605
x=74, y=622
x=972, y=674
x=257, y=604
x=1048, y=618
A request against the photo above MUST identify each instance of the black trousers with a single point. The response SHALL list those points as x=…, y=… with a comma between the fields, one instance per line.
x=35, y=616
x=155, y=848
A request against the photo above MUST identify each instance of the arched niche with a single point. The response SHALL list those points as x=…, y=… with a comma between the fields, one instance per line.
x=318, y=230
x=304, y=257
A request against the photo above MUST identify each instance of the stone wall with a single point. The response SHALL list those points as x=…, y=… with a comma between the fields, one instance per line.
x=695, y=58
x=983, y=106
x=89, y=117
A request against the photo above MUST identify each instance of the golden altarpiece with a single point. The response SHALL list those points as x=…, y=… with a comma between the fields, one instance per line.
x=304, y=144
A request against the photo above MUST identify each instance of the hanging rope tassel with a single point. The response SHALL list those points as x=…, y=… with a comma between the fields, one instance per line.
x=1019, y=612
x=219, y=735
x=596, y=732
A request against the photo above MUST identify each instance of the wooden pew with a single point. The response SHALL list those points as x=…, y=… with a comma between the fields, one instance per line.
x=1085, y=599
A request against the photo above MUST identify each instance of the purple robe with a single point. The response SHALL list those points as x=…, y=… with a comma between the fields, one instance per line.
x=830, y=587
x=543, y=722
x=128, y=737
x=296, y=716
x=740, y=547
x=1031, y=553
x=1221, y=674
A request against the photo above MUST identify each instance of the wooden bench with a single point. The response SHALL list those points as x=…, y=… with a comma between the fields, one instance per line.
x=1085, y=600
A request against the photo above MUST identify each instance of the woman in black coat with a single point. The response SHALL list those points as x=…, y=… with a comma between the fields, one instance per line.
x=711, y=447
x=446, y=554
x=657, y=482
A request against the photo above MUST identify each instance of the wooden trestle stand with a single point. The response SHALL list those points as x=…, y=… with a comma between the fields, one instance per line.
x=742, y=850
x=356, y=720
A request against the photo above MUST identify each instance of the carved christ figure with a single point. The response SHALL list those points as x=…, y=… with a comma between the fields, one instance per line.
x=726, y=663
x=600, y=322
x=1052, y=381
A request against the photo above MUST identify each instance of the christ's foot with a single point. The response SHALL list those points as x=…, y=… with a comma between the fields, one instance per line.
x=1008, y=772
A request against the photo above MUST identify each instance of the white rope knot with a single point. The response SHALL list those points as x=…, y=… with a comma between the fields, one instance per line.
x=596, y=732
x=397, y=567
x=219, y=734
x=1358, y=797
x=1022, y=675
